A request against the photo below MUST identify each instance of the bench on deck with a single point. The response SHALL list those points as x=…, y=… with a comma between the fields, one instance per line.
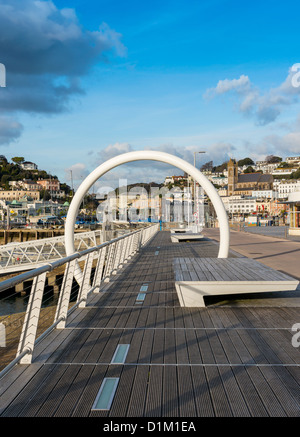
x=196, y=278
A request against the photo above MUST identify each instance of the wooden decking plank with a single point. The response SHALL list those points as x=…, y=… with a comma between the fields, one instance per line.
x=235, y=397
x=187, y=405
x=158, y=347
x=70, y=400
x=169, y=318
x=169, y=347
x=153, y=407
x=170, y=404
x=219, y=399
x=203, y=400
x=135, y=346
x=266, y=394
x=14, y=398
x=193, y=348
x=216, y=347
x=146, y=346
x=288, y=403
x=250, y=393
x=58, y=392
x=96, y=351
x=84, y=404
x=138, y=396
x=121, y=399
x=290, y=376
x=182, y=356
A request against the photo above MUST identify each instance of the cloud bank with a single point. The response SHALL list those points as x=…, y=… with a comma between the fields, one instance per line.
x=46, y=51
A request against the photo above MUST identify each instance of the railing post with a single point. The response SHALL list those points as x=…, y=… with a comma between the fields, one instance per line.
x=109, y=262
x=85, y=284
x=129, y=247
x=28, y=334
x=99, y=270
x=116, y=262
x=64, y=295
x=123, y=259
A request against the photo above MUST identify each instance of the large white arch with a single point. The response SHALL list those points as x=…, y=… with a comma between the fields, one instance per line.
x=148, y=155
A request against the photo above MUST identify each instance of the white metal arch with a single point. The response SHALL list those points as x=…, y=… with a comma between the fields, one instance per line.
x=148, y=155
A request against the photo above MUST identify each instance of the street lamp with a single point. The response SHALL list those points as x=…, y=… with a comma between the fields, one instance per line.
x=194, y=179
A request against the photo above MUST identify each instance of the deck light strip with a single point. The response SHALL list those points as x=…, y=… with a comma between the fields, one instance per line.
x=106, y=394
x=140, y=297
x=120, y=354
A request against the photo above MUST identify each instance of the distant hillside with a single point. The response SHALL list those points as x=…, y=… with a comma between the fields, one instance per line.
x=147, y=186
x=12, y=171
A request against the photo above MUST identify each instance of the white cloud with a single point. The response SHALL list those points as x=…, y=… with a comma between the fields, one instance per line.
x=240, y=85
x=264, y=107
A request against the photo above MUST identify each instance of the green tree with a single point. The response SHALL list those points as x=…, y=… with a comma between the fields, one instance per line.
x=18, y=159
x=245, y=161
x=271, y=159
x=249, y=169
x=295, y=174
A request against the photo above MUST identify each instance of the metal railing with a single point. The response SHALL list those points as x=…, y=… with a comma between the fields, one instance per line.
x=98, y=264
x=27, y=255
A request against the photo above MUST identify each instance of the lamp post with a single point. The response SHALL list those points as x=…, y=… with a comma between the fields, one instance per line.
x=194, y=179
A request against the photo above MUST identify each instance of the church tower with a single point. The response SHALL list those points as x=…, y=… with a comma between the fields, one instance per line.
x=232, y=168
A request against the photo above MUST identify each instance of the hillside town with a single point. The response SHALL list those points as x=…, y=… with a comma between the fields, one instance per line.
x=254, y=193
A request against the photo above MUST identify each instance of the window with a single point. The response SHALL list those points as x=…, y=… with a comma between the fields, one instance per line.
x=106, y=394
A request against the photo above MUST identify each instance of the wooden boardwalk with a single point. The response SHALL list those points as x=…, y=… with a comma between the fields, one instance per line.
x=222, y=360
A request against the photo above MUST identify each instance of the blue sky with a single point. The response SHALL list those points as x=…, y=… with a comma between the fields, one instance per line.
x=90, y=79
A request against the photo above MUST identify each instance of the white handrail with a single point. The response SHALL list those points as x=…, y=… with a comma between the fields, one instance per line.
x=121, y=250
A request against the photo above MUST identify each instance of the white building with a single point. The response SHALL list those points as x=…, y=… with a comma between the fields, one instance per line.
x=284, y=188
x=282, y=172
x=218, y=180
x=265, y=194
x=27, y=165
x=293, y=160
x=239, y=204
x=266, y=167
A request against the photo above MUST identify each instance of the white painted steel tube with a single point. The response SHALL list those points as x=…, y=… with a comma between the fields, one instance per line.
x=148, y=155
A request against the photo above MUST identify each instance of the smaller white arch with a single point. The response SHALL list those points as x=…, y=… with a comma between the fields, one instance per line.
x=148, y=155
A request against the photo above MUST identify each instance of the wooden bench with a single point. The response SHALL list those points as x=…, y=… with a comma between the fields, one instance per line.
x=196, y=278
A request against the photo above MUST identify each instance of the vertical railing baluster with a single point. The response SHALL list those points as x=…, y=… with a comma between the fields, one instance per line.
x=85, y=284
x=64, y=295
x=99, y=270
x=30, y=324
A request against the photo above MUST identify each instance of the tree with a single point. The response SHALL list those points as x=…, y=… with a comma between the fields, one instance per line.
x=245, y=161
x=249, y=170
x=271, y=159
x=18, y=159
x=295, y=174
x=207, y=166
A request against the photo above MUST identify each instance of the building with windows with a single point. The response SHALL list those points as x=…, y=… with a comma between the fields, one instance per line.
x=50, y=184
x=245, y=184
x=10, y=195
x=27, y=165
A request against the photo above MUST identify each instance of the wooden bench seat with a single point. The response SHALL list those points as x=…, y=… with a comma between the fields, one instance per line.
x=196, y=278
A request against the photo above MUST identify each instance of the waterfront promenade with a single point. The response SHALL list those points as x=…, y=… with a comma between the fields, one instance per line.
x=234, y=357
